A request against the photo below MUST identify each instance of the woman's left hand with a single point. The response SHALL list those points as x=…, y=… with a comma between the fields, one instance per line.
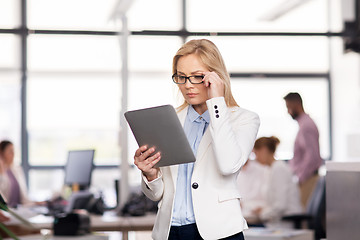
x=214, y=84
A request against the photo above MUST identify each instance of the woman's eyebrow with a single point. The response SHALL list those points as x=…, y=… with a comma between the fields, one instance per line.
x=197, y=71
x=194, y=72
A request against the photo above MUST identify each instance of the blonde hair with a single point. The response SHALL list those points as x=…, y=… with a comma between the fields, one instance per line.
x=210, y=56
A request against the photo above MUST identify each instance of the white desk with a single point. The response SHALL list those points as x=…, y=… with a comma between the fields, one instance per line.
x=267, y=234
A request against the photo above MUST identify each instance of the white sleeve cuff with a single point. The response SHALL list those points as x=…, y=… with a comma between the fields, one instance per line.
x=149, y=184
x=217, y=109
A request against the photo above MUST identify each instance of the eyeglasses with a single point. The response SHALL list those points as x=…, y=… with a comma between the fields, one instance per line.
x=180, y=79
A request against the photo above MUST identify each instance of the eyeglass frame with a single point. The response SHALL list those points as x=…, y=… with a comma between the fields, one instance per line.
x=187, y=78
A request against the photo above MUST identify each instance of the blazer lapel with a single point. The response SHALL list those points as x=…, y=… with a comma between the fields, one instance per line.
x=203, y=146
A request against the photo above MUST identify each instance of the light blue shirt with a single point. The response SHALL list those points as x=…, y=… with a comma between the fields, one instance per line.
x=194, y=127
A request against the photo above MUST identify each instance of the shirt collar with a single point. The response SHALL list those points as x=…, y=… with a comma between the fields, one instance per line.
x=193, y=115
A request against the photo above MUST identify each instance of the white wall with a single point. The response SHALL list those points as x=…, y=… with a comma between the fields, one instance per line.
x=346, y=103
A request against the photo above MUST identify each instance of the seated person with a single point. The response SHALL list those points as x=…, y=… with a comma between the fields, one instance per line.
x=252, y=182
x=12, y=180
x=282, y=196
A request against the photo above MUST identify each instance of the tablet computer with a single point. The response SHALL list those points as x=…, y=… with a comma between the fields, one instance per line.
x=160, y=127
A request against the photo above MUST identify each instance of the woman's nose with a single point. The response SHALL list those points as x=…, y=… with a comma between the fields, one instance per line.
x=188, y=84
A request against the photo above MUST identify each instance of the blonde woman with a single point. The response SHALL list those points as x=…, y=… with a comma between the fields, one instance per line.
x=200, y=200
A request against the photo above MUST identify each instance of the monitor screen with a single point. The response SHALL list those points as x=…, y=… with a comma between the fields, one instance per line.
x=79, y=167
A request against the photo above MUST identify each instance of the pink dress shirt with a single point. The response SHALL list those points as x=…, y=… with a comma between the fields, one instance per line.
x=307, y=159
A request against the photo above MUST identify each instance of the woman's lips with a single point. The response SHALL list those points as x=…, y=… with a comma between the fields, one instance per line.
x=191, y=95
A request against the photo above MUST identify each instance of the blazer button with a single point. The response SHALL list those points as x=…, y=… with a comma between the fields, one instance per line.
x=195, y=185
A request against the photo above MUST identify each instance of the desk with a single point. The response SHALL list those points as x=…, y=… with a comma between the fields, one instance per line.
x=285, y=234
x=108, y=222
x=40, y=237
x=111, y=222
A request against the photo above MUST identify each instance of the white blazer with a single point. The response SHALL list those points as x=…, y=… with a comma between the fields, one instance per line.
x=20, y=177
x=223, y=150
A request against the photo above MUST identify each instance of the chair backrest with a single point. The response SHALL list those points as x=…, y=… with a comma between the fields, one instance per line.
x=317, y=208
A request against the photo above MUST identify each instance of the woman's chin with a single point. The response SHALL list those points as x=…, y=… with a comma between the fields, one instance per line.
x=195, y=102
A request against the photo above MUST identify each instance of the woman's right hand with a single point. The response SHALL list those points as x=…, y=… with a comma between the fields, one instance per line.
x=145, y=163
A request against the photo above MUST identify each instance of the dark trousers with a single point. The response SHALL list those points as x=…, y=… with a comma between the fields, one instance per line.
x=190, y=232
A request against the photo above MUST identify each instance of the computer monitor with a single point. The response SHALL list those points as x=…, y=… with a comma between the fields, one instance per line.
x=79, y=168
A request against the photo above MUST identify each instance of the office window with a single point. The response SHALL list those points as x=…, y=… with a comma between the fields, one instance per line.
x=10, y=112
x=147, y=90
x=274, y=54
x=336, y=24
x=255, y=15
x=44, y=184
x=155, y=14
x=265, y=97
x=68, y=112
x=74, y=53
x=79, y=78
x=152, y=54
x=9, y=13
x=10, y=105
x=9, y=52
x=67, y=14
x=98, y=15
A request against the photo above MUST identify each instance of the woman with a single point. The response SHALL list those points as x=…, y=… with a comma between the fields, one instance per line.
x=12, y=180
x=201, y=200
x=282, y=197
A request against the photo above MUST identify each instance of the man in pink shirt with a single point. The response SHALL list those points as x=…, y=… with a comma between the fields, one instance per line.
x=307, y=159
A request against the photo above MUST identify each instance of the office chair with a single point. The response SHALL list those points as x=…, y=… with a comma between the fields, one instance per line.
x=315, y=212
